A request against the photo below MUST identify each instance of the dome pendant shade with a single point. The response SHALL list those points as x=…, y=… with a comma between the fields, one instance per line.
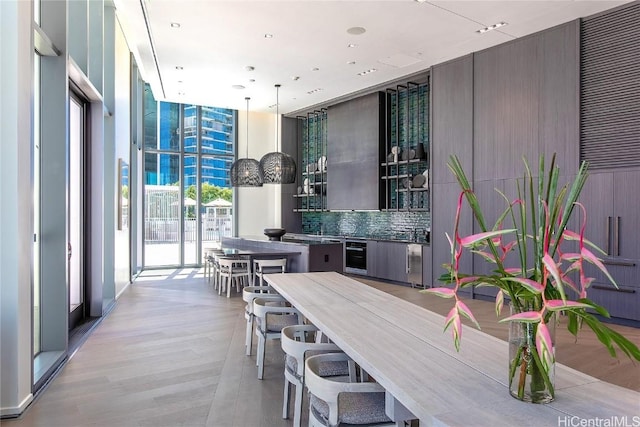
x=278, y=168
x=246, y=173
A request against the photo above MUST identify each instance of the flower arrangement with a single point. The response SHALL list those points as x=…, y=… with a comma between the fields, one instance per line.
x=550, y=276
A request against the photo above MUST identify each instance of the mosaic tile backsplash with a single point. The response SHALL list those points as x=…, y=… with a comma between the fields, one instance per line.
x=408, y=226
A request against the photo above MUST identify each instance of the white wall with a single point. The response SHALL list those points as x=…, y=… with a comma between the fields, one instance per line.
x=16, y=228
x=257, y=208
x=122, y=147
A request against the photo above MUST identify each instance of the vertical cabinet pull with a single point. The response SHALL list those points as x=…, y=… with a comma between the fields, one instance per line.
x=607, y=235
x=408, y=269
x=616, y=237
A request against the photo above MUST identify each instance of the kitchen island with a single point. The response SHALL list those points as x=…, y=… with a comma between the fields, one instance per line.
x=304, y=255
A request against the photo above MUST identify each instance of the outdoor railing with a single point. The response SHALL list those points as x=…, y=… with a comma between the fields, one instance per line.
x=168, y=230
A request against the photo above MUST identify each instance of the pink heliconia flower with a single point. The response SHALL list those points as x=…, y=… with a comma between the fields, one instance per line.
x=552, y=268
x=525, y=316
x=475, y=238
x=453, y=318
x=499, y=302
x=544, y=345
x=465, y=311
x=441, y=292
x=531, y=285
x=558, y=304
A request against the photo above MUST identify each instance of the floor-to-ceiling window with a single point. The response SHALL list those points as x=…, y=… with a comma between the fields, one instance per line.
x=188, y=152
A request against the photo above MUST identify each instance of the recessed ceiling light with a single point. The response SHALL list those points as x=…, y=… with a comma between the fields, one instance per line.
x=237, y=86
x=352, y=45
x=315, y=69
x=311, y=92
x=179, y=68
x=268, y=36
x=179, y=81
x=351, y=63
x=491, y=27
x=252, y=80
x=249, y=68
x=180, y=93
x=356, y=31
x=295, y=78
x=369, y=71
x=175, y=25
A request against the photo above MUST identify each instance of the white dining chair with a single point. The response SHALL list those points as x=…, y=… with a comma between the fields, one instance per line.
x=250, y=293
x=267, y=266
x=210, y=265
x=338, y=400
x=270, y=319
x=233, y=270
x=299, y=342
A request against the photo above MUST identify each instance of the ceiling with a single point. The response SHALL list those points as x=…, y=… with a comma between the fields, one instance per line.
x=207, y=59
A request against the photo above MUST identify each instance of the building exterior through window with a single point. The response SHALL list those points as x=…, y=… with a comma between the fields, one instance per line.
x=188, y=152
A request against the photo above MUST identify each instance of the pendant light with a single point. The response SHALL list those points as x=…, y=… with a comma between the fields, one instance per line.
x=246, y=172
x=277, y=167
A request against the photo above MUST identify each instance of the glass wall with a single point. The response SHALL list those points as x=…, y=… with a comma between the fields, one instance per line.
x=188, y=152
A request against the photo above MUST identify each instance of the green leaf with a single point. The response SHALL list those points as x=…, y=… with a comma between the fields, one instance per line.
x=573, y=325
x=475, y=238
x=608, y=336
x=598, y=308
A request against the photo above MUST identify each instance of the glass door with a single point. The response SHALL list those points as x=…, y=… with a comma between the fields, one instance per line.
x=75, y=211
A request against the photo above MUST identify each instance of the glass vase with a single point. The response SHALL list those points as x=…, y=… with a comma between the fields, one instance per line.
x=529, y=381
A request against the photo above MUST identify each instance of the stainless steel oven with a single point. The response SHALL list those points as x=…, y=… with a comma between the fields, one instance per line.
x=355, y=256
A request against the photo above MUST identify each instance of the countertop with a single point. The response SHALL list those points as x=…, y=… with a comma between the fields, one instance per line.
x=293, y=237
x=290, y=240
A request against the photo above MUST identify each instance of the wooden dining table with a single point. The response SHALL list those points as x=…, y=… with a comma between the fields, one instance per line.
x=403, y=347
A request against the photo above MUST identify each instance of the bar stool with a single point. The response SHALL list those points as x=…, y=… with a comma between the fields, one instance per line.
x=232, y=270
x=267, y=266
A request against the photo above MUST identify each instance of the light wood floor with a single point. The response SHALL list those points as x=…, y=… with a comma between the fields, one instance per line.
x=171, y=353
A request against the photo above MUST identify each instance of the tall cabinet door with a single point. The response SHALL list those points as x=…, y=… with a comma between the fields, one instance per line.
x=597, y=199
x=626, y=219
x=356, y=129
x=452, y=134
x=506, y=113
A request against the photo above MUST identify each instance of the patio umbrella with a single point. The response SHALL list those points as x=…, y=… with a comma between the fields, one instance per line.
x=219, y=203
x=188, y=201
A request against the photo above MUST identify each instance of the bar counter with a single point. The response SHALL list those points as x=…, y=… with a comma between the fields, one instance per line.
x=304, y=255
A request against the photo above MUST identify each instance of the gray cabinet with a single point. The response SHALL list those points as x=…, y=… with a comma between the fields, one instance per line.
x=372, y=258
x=355, y=132
x=613, y=217
x=427, y=267
x=390, y=260
x=613, y=220
x=526, y=103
